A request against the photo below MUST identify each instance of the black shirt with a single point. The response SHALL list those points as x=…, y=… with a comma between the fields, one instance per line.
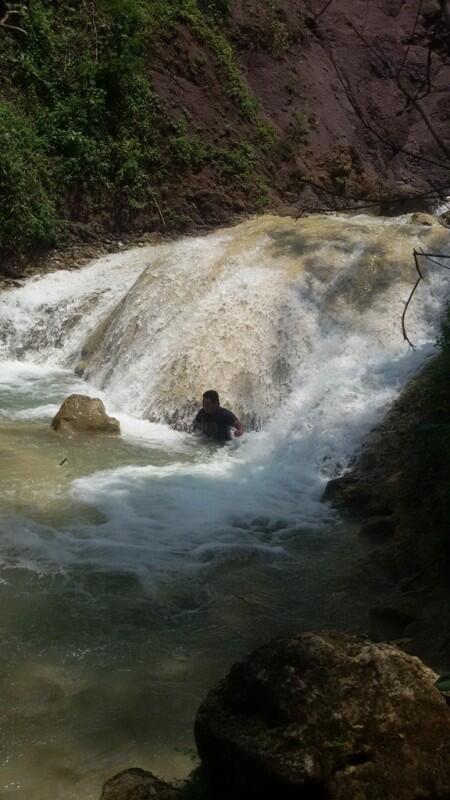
x=216, y=425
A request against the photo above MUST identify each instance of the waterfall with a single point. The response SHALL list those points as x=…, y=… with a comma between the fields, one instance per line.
x=296, y=323
x=133, y=569
x=245, y=310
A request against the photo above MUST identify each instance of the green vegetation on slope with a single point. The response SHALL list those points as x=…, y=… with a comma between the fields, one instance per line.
x=82, y=131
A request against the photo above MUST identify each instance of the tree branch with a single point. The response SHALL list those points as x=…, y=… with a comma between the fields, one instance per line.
x=7, y=16
x=430, y=257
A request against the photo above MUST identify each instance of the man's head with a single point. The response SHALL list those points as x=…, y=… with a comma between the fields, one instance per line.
x=210, y=401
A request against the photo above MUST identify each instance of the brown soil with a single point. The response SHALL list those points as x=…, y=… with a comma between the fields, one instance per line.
x=358, y=117
x=327, y=84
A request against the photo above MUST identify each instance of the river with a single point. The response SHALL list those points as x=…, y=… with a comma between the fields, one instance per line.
x=135, y=570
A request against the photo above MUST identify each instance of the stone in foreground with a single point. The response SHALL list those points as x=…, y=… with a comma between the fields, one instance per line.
x=327, y=716
x=137, y=784
x=80, y=413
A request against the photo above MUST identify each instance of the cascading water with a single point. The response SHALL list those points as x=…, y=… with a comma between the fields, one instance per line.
x=135, y=569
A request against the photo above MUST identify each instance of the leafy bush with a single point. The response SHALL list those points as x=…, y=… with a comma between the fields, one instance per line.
x=219, y=10
x=82, y=130
x=27, y=211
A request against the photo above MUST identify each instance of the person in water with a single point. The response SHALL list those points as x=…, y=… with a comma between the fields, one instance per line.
x=214, y=421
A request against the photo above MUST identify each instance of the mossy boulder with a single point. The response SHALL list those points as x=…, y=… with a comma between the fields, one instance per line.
x=327, y=716
x=80, y=413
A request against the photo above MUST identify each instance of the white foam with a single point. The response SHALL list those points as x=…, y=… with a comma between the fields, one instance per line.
x=47, y=319
x=299, y=323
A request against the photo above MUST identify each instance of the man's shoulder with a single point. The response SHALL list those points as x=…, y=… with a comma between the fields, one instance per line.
x=227, y=414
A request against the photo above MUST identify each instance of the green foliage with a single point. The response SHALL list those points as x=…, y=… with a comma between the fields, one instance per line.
x=188, y=152
x=27, y=212
x=301, y=127
x=443, y=683
x=218, y=10
x=212, y=35
x=82, y=129
x=238, y=161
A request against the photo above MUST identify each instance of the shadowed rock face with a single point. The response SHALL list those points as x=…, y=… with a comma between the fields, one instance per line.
x=82, y=413
x=137, y=784
x=327, y=716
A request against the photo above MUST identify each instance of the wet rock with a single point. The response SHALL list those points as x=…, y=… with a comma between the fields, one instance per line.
x=370, y=493
x=80, y=368
x=330, y=716
x=389, y=622
x=381, y=527
x=347, y=492
x=444, y=218
x=82, y=413
x=137, y=784
x=419, y=218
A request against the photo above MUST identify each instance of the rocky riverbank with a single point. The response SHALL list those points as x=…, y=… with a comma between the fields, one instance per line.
x=324, y=716
x=398, y=488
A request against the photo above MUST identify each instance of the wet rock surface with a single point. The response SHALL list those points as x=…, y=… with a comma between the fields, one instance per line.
x=138, y=784
x=80, y=413
x=381, y=491
x=327, y=715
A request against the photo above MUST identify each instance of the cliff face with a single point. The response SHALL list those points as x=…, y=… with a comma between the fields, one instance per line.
x=341, y=90
x=399, y=486
x=163, y=116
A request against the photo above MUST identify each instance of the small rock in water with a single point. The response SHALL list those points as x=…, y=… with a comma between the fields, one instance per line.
x=420, y=218
x=80, y=369
x=82, y=413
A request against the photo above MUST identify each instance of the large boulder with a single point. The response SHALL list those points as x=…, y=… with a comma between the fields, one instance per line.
x=82, y=413
x=327, y=716
x=137, y=784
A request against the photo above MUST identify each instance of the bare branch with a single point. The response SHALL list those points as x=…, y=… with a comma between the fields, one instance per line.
x=6, y=24
x=383, y=137
x=327, y=5
x=365, y=201
x=430, y=257
x=412, y=99
x=416, y=22
x=158, y=208
x=433, y=256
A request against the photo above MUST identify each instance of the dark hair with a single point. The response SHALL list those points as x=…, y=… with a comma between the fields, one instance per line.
x=211, y=394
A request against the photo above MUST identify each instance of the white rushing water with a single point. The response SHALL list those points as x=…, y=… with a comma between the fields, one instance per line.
x=137, y=546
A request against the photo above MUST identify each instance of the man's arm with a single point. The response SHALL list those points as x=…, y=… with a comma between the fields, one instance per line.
x=196, y=422
x=239, y=428
x=233, y=422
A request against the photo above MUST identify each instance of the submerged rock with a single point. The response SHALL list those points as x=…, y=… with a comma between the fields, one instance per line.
x=82, y=413
x=330, y=716
x=420, y=218
x=137, y=784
